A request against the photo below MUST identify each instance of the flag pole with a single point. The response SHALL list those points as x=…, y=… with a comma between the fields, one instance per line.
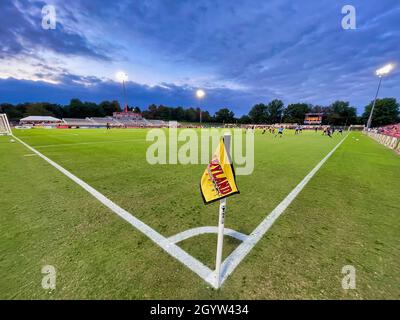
x=221, y=220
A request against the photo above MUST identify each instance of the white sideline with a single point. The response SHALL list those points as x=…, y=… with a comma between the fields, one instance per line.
x=233, y=260
x=175, y=251
x=168, y=244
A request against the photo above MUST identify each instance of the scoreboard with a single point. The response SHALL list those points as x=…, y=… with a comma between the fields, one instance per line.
x=313, y=118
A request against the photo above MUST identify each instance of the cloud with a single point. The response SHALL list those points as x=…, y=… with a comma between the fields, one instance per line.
x=97, y=90
x=21, y=33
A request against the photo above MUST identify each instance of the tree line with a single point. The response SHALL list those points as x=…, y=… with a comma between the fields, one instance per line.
x=75, y=109
x=338, y=113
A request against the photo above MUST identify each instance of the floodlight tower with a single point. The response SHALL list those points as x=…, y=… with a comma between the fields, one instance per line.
x=200, y=95
x=380, y=73
x=122, y=77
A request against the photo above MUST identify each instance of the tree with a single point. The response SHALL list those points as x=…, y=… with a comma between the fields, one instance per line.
x=178, y=114
x=258, y=113
x=386, y=111
x=37, y=109
x=205, y=116
x=55, y=109
x=295, y=112
x=191, y=115
x=151, y=112
x=224, y=115
x=340, y=113
x=109, y=107
x=275, y=111
x=13, y=113
x=245, y=119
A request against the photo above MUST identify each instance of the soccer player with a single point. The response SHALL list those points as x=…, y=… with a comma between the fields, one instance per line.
x=280, y=132
x=340, y=131
x=108, y=126
x=328, y=132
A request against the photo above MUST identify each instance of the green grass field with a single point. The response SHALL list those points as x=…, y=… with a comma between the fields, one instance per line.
x=347, y=215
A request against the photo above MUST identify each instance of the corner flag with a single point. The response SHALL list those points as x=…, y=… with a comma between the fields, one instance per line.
x=218, y=180
x=217, y=183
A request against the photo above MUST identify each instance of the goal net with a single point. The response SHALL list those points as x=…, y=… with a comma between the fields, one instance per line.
x=5, y=128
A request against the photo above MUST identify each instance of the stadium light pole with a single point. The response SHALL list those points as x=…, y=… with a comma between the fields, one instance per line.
x=200, y=95
x=122, y=77
x=380, y=73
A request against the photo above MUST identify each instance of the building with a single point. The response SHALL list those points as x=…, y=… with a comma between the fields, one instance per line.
x=40, y=121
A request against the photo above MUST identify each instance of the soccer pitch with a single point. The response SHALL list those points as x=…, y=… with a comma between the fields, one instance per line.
x=348, y=214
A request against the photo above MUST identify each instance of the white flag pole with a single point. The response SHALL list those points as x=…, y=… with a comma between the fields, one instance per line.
x=221, y=221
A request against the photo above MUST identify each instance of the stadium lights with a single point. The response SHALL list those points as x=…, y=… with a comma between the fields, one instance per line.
x=384, y=70
x=200, y=95
x=380, y=73
x=122, y=77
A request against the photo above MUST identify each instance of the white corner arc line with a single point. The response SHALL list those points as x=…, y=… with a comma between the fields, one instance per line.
x=201, y=230
x=233, y=260
x=171, y=248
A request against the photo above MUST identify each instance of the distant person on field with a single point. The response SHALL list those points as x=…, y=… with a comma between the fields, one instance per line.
x=328, y=132
x=280, y=132
x=108, y=126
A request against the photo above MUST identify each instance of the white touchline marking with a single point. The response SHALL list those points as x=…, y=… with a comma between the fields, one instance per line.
x=175, y=251
x=168, y=244
x=233, y=260
x=200, y=230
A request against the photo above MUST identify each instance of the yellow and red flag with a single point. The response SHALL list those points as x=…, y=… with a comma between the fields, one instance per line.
x=218, y=180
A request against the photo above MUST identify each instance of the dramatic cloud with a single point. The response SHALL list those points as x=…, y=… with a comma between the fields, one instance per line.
x=22, y=33
x=240, y=52
x=97, y=90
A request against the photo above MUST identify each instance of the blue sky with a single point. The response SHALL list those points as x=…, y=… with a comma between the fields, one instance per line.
x=241, y=53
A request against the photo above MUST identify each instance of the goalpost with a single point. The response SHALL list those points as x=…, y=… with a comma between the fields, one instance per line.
x=5, y=128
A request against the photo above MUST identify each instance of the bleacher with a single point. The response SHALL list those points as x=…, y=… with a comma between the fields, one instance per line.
x=392, y=130
x=97, y=122
x=156, y=123
x=135, y=123
x=75, y=122
x=104, y=121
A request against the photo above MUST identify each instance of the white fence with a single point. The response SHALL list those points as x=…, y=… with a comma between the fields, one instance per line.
x=388, y=141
